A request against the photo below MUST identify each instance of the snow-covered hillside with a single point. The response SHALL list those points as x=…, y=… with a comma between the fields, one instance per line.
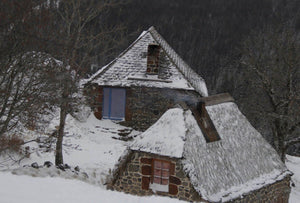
x=95, y=146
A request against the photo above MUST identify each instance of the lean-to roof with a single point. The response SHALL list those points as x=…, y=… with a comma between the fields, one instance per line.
x=240, y=162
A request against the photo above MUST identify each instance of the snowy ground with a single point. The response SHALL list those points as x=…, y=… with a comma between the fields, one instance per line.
x=26, y=189
x=95, y=146
x=293, y=164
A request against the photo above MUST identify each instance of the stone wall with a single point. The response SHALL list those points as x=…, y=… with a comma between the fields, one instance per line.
x=277, y=192
x=136, y=176
x=94, y=97
x=144, y=105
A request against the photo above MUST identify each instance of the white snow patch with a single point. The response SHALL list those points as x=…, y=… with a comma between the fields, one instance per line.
x=166, y=137
x=93, y=145
x=26, y=189
x=293, y=164
x=158, y=187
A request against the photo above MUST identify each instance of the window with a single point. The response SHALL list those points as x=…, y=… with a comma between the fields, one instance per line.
x=160, y=175
x=114, y=103
x=153, y=59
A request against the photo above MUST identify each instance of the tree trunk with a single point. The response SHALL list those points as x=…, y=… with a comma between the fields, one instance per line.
x=59, y=153
x=281, y=146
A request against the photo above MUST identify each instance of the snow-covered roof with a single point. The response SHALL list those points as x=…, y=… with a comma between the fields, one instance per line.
x=240, y=162
x=129, y=68
x=165, y=137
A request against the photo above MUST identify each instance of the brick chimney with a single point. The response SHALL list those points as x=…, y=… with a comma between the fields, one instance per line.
x=153, y=59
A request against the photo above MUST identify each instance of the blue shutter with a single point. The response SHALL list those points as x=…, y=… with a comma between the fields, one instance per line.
x=114, y=103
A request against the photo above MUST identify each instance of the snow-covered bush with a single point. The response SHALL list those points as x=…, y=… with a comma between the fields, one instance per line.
x=11, y=143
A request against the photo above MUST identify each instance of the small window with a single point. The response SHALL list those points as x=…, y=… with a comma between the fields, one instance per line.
x=153, y=59
x=160, y=176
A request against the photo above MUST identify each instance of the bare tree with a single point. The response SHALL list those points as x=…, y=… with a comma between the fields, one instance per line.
x=271, y=59
x=23, y=89
x=23, y=81
x=30, y=79
x=77, y=43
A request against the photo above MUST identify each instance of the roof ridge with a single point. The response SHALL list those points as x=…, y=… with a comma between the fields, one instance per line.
x=151, y=28
x=196, y=80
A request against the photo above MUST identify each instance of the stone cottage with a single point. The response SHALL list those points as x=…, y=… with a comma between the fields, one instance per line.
x=210, y=153
x=143, y=82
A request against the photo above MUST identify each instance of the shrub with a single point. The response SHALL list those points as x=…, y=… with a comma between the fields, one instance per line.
x=11, y=143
